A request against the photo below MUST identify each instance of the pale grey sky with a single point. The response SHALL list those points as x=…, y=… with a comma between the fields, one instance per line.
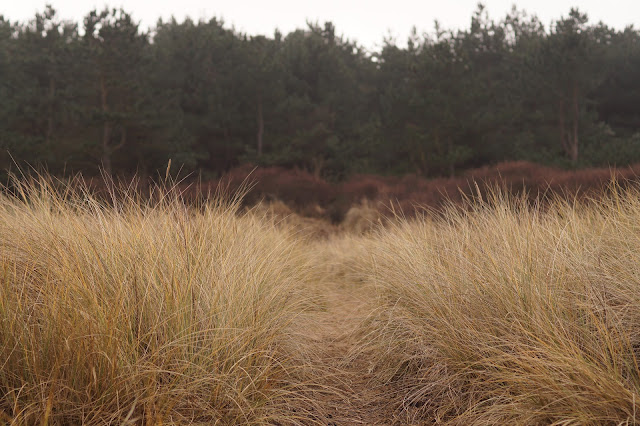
x=366, y=21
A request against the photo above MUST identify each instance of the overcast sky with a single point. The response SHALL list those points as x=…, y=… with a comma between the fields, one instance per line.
x=367, y=21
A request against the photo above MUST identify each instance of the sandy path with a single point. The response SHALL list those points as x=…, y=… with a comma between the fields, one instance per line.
x=351, y=397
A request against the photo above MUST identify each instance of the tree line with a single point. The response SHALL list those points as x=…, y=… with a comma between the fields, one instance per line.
x=107, y=94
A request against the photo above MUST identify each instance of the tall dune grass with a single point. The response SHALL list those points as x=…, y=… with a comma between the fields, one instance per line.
x=134, y=311
x=144, y=312
x=507, y=314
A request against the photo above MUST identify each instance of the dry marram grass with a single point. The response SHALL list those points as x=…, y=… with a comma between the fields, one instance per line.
x=505, y=314
x=139, y=311
x=144, y=312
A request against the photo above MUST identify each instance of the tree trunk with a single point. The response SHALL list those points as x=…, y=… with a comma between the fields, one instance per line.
x=317, y=163
x=260, y=125
x=576, y=117
x=452, y=165
x=52, y=91
x=106, y=148
x=106, y=130
x=564, y=141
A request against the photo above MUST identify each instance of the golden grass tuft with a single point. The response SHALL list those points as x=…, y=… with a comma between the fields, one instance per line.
x=361, y=219
x=144, y=312
x=503, y=313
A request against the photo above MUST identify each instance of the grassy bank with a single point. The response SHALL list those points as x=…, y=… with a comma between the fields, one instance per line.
x=144, y=312
x=504, y=314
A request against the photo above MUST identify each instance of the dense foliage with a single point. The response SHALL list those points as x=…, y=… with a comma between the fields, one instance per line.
x=108, y=94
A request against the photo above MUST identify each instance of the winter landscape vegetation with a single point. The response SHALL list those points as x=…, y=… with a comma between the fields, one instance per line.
x=201, y=226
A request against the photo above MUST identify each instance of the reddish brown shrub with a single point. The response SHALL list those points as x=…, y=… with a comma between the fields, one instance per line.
x=411, y=194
